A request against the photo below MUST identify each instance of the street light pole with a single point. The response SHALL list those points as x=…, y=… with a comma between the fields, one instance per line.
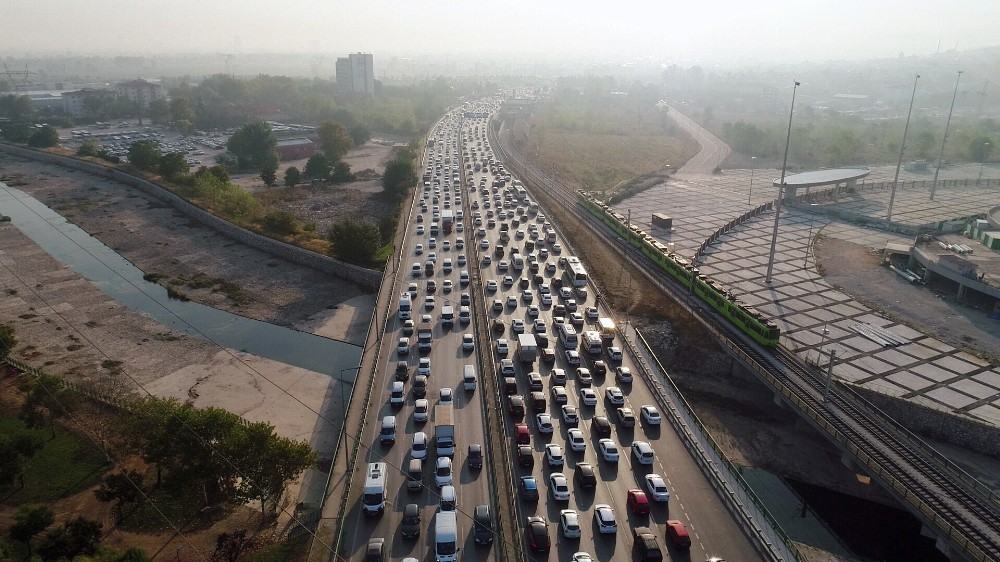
x=902, y=147
x=945, y=138
x=781, y=189
x=753, y=161
x=986, y=150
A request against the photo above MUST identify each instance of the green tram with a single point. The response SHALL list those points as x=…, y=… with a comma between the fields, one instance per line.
x=745, y=318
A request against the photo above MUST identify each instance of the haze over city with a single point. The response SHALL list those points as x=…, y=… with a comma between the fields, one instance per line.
x=772, y=31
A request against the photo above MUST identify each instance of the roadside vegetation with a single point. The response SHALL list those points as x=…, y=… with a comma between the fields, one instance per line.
x=78, y=472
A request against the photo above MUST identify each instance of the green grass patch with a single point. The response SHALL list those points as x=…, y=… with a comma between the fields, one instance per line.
x=383, y=255
x=66, y=465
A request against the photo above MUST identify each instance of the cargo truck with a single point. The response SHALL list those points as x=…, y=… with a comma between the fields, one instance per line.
x=447, y=220
x=444, y=430
x=527, y=348
x=607, y=328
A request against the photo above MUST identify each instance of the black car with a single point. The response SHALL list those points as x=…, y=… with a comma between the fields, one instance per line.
x=525, y=457
x=475, y=456
x=402, y=371
x=537, y=532
x=410, y=527
x=601, y=425
x=585, y=475
x=420, y=386
x=483, y=521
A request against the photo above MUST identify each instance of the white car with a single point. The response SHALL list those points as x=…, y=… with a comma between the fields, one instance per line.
x=518, y=326
x=657, y=488
x=432, y=243
x=650, y=415
x=403, y=348
x=570, y=415
x=554, y=454
x=607, y=524
x=468, y=342
x=543, y=422
x=419, y=448
x=588, y=397
x=419, y=249
x=420, y=229
x=592, y=312
x=608, y=449
x=502, y=348
x=492, y=286
x=421, y=409
x=642, y=452
x=577, y=441
x=447, y=285
x=615, y=396
x=424, y=366
x=615, y=353
x=559, y=486
x=569, y=520
x=429, y=303
x=442, y=472
x=559, y=395
x=546, y=299
x=446, y=396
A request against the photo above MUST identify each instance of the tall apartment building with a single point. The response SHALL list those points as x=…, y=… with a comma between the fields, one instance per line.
x=140, y=91
x=356, y=73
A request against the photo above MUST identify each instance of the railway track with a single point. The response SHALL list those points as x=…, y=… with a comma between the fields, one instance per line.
x=966, y=516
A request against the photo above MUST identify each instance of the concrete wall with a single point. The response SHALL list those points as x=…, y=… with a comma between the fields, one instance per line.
x=943, y=426
x=365, y=277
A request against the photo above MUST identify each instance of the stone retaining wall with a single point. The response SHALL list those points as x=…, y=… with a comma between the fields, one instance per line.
x=365, y=277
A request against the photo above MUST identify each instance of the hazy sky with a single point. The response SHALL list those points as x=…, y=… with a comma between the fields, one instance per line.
x=693, y=31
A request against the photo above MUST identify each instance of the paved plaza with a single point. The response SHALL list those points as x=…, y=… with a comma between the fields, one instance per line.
x=925, y=370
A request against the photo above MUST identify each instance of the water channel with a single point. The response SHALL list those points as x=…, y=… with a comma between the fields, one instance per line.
x=119, y=279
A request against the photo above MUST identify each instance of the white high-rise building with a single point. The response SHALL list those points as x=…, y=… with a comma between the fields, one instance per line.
x=356, y=73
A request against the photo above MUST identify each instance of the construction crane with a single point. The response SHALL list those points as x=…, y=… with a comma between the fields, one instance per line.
x=18, y=78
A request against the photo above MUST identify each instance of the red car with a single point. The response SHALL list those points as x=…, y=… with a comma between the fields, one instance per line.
x=638, y=502
x=522, y=436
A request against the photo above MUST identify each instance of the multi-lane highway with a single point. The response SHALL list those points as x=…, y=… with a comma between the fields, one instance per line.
x=492, y=210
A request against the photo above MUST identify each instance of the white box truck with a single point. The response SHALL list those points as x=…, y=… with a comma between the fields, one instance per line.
x=446, y=536
x=527, y=348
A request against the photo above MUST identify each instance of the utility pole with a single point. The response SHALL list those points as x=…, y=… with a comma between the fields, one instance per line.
x=781, y=190
x=902, y=147
x=944, y=139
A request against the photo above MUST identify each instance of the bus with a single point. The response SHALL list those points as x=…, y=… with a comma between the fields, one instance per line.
x=574, y=273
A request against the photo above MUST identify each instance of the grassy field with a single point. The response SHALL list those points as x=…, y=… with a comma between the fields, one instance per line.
x=62, y=468
x=601, y=144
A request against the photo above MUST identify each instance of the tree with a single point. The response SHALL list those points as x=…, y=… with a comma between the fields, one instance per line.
x=360, y=134
x=229, y=547
x=335, y=140
x=355, y=241
x=172, y=165
x=44, y=401
x=387, y=227
x=341, y=173
x=15, y=451
x=159, y=111
x=17, y=108
x=292, y=176
x=29, y=520
x=979, y=148
x=44, y=137
x=267, y=462
x=89, y=147
x=253, y=144
x=144, y=154
x=398, y=177
x=318, y=167
x=76, y=537
x=269, y=174
x=181, y=109
x=7, y=340
x=121, y=488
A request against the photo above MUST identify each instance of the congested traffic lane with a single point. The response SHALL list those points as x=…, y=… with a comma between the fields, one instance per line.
x=692, y=500
x=447, y=360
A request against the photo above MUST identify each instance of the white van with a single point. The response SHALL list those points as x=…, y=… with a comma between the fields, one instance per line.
x=469, y=377
x=445, y=536
x=567, y=335
x=593, y=343
x=374, y=493
x=405, y=305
